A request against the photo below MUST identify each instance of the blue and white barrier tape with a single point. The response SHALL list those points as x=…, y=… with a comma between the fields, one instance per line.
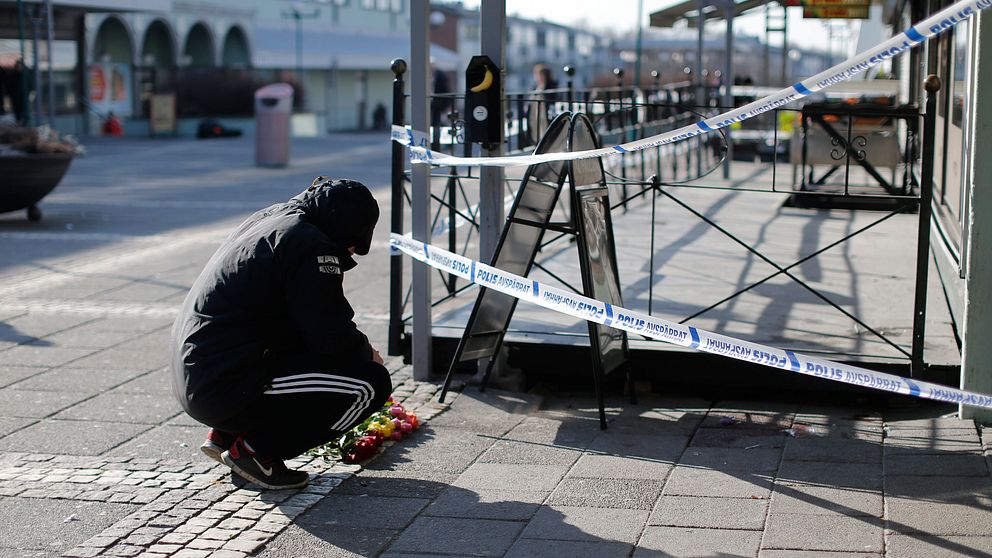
x=954, y=14
x=586, y=308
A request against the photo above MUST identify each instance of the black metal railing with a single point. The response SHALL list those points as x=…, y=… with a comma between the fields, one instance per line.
x=813, y=140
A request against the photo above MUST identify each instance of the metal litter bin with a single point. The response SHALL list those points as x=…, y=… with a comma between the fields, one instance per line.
x=273, y=108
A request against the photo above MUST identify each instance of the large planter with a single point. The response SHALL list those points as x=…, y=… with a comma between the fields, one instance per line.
x=26, y=179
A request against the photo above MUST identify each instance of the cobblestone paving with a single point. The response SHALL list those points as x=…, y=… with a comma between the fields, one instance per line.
x=188, y=509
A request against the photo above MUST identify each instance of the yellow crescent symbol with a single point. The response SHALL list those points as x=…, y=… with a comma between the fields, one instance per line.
x=486, y=83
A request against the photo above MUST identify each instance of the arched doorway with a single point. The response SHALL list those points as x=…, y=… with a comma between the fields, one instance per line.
x=236, y=53
x=199, y=47
x=157, y=62
x=110, y=80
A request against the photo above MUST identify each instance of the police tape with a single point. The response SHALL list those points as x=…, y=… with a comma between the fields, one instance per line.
x=609, y=315
x=418, y=142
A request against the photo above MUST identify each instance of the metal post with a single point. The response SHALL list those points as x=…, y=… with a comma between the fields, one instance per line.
x=785, y=47
x=24, y=80
x=640, y=34
x=35, y=25
x=570, y=72
x=700, y=89
x=421, y=185
x=299, y=46
x=917, y=364
x=396, y=215
x=49, y=15
x=728, y=82
x=493, y=34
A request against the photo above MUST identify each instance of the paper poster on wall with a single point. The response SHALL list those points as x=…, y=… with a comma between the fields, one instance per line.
x=110, y=88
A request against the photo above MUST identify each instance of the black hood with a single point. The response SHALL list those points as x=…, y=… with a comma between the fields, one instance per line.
x=344, y=210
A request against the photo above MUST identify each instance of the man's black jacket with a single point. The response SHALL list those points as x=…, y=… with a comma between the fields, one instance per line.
x=274, y=286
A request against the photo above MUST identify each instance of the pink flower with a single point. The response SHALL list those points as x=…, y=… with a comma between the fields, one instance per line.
x=397, y=411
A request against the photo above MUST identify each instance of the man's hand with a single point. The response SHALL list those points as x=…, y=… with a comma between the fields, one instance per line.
x=376, y=357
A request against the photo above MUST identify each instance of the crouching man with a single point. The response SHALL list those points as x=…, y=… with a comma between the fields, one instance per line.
x=265, y=351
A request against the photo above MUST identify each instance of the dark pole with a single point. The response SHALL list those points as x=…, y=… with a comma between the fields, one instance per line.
x=570, y=72
x=299, y=45
x=932, y=86
x=396, y=215
x=24, y=81
x=35, y=26
x=640, y=35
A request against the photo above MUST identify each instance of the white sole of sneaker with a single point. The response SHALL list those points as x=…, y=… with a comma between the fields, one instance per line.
x=251, y=478
x=212, y=451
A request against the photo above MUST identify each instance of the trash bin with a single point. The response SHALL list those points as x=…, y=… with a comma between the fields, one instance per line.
x=273, y=108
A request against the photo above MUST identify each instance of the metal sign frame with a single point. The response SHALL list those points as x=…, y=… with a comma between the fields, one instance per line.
x=592, y=226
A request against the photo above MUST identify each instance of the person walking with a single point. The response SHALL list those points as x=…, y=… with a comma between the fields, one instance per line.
x=265, y=350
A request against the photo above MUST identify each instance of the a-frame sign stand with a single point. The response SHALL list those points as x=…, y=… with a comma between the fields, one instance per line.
x=529, y=218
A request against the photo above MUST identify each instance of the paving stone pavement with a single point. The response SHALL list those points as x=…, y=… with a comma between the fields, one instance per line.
x=96, y=459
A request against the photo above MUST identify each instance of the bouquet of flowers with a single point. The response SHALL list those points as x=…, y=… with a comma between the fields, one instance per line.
x=391, y=422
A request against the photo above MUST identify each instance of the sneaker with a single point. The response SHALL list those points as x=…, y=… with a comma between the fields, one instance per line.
x=265, y=472
x=217, y=441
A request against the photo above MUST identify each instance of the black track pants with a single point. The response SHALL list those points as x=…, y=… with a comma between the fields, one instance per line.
x=310, y=400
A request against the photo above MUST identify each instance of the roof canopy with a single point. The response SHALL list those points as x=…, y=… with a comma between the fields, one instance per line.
x=712, y=9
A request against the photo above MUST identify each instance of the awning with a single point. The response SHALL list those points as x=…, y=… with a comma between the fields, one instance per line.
x=689, y=10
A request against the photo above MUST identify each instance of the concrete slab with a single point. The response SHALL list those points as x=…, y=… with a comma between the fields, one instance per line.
x=141, y=361
x=62, y=437
x=48, y=356
x=40, y=325
x=76, y=380
x=924, y=546
x=656, y=448
x=616, y=467
x=952, y=490
x=8, y=425
x=687, y=481
x=504, y=451
x=87, y=337
x=350, y=510
x=947, y=464
x=54, y=526
x=329, y=541
x=166, y=442
x=124, y=407
x=711, y=513
x=931, y=424
x=687, y=542
x=736, y=438
x=403, y=484
x=934, y=518
x=606, y=493
x=535, y=548
x=866, y=476
x=814, y=554
x=442, y=535
x=155, y=382
x=10, y=374
x=567, y=523
x=916, y=442
x=509, y=505
x=562, y=432
x=500, y=476
x=832, y=449
x=755, y=460
x=826, y=500
x=823, y=532
x=36, y=403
